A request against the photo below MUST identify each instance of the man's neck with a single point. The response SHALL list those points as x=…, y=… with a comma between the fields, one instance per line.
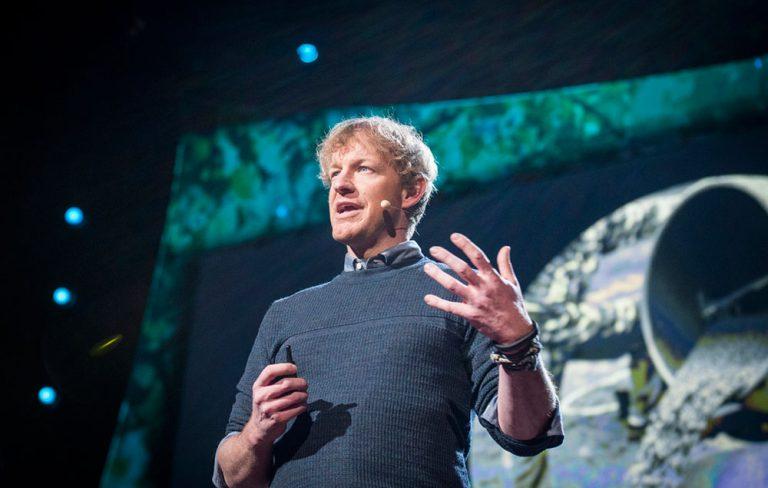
x=364, y=252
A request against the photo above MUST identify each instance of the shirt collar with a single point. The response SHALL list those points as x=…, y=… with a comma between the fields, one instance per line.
x=389, y=257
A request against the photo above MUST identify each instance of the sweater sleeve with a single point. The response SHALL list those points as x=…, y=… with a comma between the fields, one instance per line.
x=258, y=359
x=218, y=475
x=485, y=382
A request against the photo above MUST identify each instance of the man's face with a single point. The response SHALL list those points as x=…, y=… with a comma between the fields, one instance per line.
x=360, y=180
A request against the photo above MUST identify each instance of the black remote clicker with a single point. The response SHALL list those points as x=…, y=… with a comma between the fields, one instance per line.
x=288, y=359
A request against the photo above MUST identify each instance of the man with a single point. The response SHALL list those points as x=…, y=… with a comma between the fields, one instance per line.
x=388, y=364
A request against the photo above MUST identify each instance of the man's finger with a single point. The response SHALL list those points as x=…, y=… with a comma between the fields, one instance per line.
x=461, y=309
x=284, y=387
x=272, y=371
x=473, y=252
x=288, y=401
x=505, y=264
x=447, y=281
x=287, y=415
x=458, y=265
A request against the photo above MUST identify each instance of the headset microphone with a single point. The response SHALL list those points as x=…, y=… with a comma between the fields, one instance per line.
x=386, y=205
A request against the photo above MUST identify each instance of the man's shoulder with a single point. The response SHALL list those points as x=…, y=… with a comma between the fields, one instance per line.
x=301, y=294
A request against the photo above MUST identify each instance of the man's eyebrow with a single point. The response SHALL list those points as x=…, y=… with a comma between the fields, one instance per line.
x=356, y=162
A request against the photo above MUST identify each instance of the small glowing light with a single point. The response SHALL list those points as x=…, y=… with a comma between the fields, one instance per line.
x=281, y=211
x=74, y=216
x=307, y=53
x=46, y=395
x=106, y=345
x=62, y=296
x=758, y=63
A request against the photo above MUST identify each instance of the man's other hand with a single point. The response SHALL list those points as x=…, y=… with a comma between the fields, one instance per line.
x=275, y=403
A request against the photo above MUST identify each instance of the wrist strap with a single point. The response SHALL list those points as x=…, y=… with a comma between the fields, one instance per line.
x=520, y=355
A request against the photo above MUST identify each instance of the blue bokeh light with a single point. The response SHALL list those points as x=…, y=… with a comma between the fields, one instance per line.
x=46, y=395
x=62, y=296
x=307, y=53
x=281, y=211
x=74, y=216
x=758, y=63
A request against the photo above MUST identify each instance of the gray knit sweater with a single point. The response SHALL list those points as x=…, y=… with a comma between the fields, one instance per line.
x=392, y=383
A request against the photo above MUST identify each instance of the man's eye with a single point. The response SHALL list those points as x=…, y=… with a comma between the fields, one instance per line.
x=334, y=173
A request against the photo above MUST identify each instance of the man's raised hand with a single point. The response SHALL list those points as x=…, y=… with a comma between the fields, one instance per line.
x=492, y=301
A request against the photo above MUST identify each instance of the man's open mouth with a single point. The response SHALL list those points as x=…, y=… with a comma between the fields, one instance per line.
x=347, y=207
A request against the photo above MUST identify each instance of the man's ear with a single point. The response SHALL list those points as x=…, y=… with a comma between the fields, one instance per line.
x=412, y=195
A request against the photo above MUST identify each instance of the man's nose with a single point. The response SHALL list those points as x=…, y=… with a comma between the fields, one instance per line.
x=342, y=183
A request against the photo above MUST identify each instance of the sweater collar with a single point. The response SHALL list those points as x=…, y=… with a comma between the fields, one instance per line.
x=397, y=254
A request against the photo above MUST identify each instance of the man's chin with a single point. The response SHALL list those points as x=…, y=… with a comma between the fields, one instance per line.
x=346, y=238
x=351, y=239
